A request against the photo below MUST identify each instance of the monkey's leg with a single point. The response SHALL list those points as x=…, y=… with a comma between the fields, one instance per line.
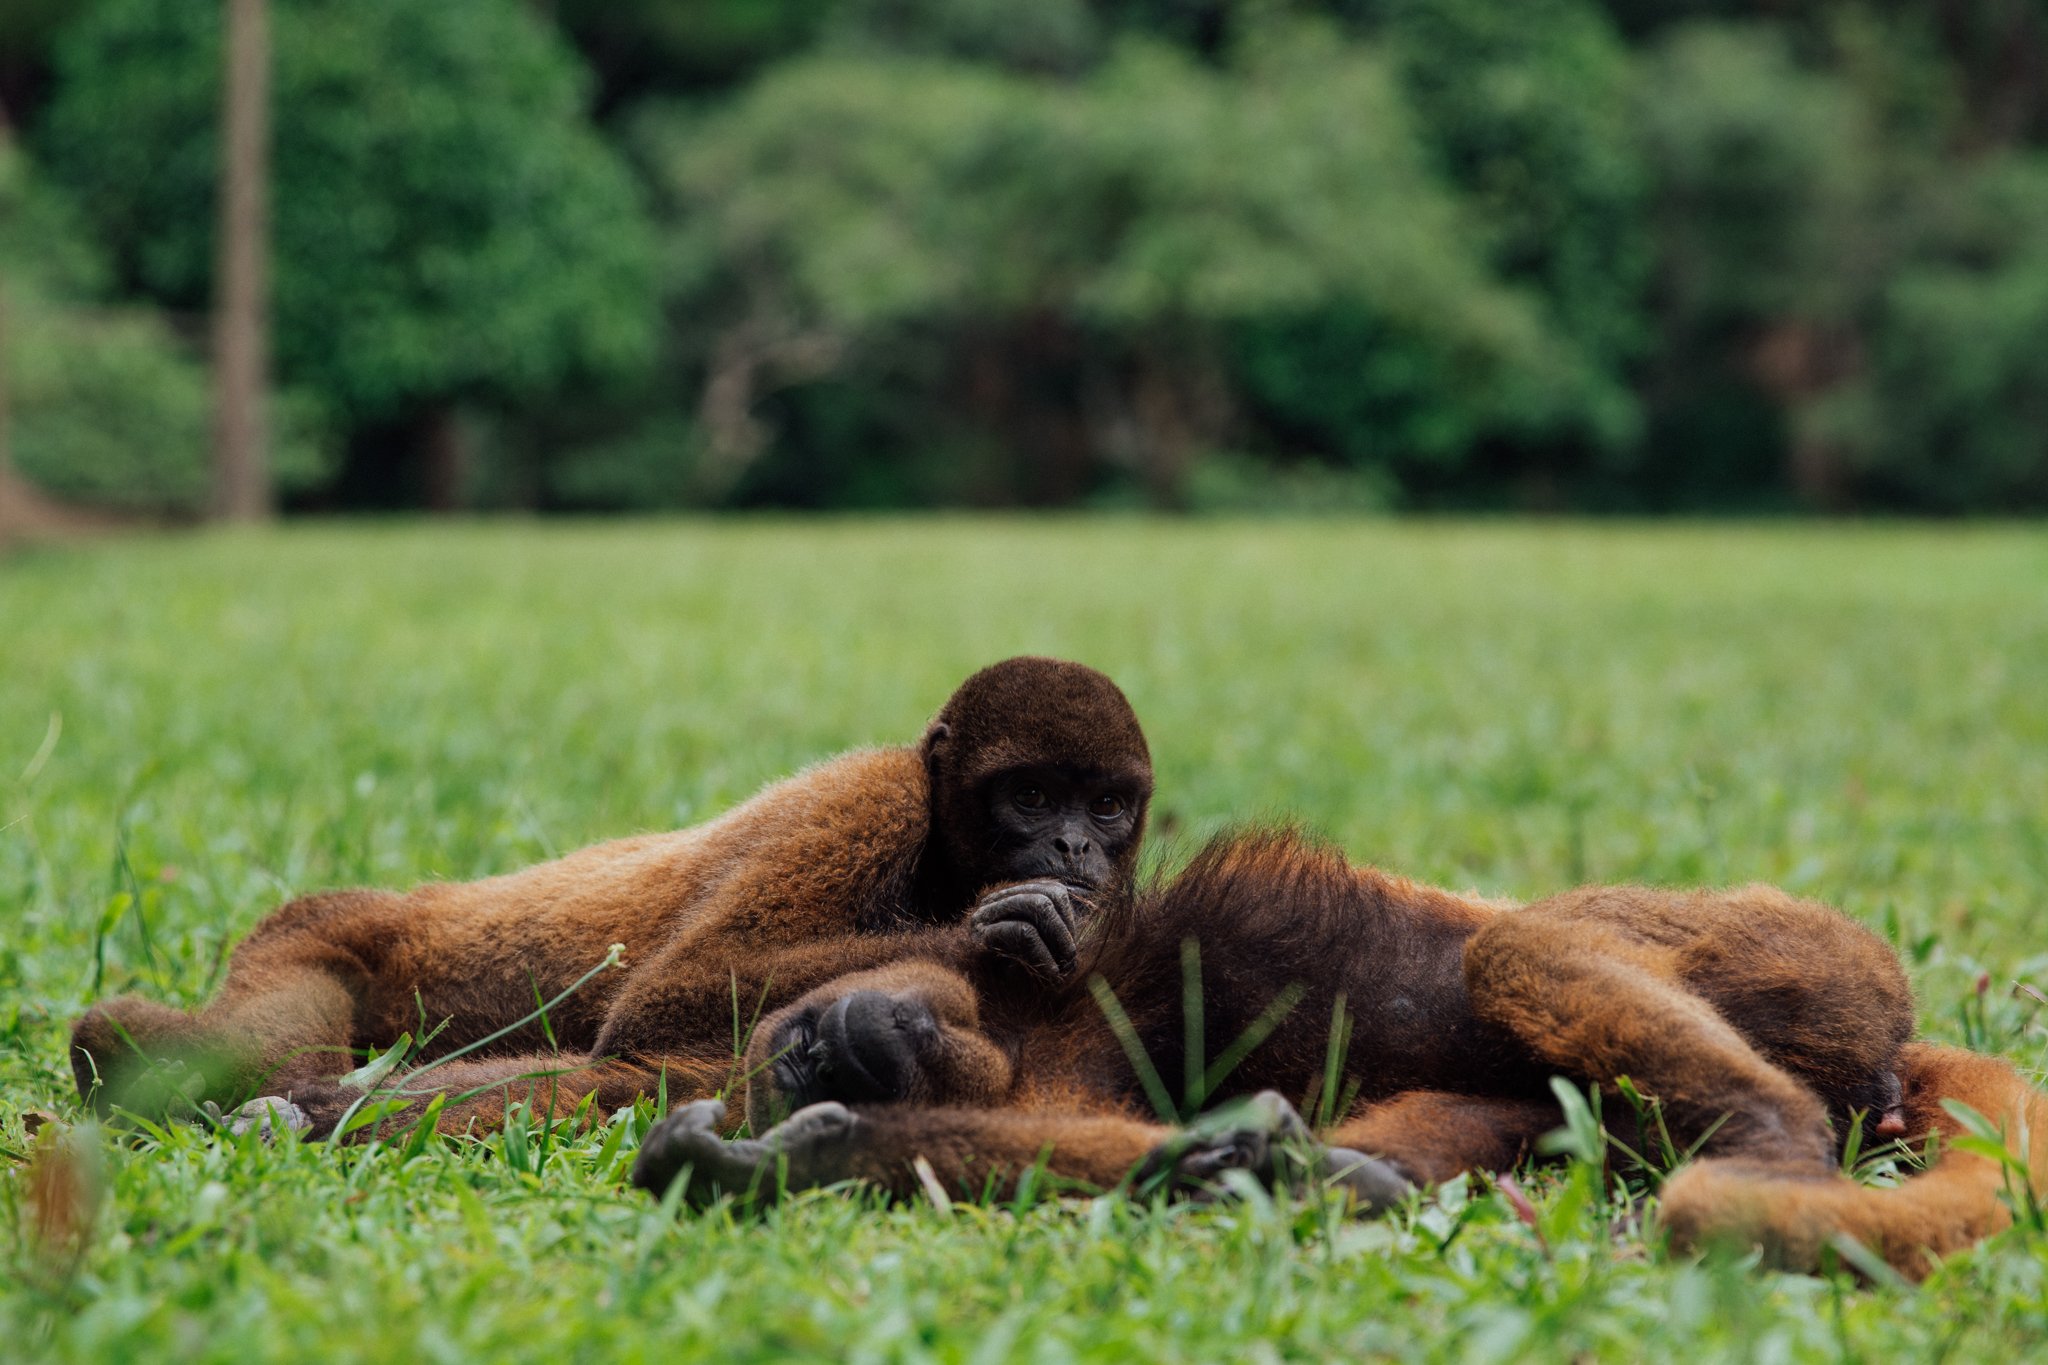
x=968, y=1151
x=1598, y=1005
x=1264, y=1137
x=293, y=992
x=1815, y=993
x=1958, y=1201
x=477, y=1092
x=1431, y=1135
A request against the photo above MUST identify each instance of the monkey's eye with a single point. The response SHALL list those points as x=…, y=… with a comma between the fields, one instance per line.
x=1030, y=798
x=1106, y=806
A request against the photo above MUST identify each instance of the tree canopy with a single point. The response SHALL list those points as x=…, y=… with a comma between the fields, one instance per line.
x=1559, y=253
x=448, y=224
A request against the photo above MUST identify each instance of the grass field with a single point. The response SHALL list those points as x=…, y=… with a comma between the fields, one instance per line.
x=194, y=728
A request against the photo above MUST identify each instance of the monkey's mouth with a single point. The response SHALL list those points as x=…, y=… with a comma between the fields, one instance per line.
x=1083, y=882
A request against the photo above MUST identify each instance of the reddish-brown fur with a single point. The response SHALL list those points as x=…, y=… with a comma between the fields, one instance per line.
x=848, y=864
x=1760, y=1022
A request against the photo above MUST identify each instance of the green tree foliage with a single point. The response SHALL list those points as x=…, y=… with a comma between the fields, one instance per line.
x=1528, y=105
x=1278, y=253
x=1823, y=251
x=1046, y=36
x=106, y=404
x=447, y=225
x=1523, y=106
x=638, y=47
x=1132, y=218
x=1770, y=181
x=1952, y=410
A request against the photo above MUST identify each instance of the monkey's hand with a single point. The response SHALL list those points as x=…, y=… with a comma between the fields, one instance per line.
x=1265, y=1138
x=807, y=1149
x=1033, y=923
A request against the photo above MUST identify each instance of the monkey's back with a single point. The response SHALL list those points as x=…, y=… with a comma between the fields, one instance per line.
x=1274, y=938
x=478, y=952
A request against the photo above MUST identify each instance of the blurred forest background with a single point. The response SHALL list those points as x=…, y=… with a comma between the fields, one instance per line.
x=1605, y=255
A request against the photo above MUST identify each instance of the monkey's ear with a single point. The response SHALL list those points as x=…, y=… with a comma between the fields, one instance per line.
x=937, y=735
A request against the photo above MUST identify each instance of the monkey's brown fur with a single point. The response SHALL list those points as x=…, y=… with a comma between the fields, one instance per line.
x=840, y=867
x=1761, y=1022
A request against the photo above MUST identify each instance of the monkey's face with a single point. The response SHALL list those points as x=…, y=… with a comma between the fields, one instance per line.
x=1880, y=1099
x=908, y=1031
x=1038, y=770
x=1052, y=821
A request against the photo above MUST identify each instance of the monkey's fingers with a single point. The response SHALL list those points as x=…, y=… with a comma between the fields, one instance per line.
x=698, y=1116
x=1071, y=900
x=1067, y=903
x=1024, y=943
x=322, y=1104
x=1031, y=926
x=1266, y=1137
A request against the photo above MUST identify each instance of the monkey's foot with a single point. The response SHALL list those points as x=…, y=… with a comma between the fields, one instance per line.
x=807, y=1149
x=269, y=1115
x=867, y=1047
x=1264, y=1137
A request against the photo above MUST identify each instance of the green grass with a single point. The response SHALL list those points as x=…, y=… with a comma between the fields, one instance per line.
x=194, y=728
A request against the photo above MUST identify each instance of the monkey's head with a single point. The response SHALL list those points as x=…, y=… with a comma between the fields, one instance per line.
x=1038, y=769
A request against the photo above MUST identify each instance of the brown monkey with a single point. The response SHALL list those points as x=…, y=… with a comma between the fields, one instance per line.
x=1761, y=1022
x=1034, y=772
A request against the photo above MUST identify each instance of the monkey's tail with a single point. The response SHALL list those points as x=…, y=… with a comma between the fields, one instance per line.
x=1793, y=1215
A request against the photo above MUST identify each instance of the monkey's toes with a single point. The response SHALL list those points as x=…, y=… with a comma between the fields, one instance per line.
x=698, y=1115
x=268, y=1115
x=804, y=1150
x=1373, y=1185
x=685, y=1137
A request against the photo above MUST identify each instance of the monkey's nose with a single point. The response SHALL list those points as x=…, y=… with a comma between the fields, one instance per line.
x=1893, y=1124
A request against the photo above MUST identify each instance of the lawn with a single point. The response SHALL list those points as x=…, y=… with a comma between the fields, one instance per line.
x=195, y=727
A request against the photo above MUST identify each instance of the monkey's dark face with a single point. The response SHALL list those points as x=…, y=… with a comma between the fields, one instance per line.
x=1038, y=771
x=1052, y=821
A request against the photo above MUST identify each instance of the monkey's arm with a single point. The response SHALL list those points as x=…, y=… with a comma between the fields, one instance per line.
x=1020, y=939
x=982, y=1152
x=831, y=851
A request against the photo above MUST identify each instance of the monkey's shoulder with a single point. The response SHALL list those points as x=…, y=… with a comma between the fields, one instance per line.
x=855, y=810
x=864, y=788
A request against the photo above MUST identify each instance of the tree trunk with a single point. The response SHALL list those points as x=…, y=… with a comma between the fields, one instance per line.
x=1799, y=363
x=444, y=449
x=1180, y=403
x=241, y=345
x=9, y=513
